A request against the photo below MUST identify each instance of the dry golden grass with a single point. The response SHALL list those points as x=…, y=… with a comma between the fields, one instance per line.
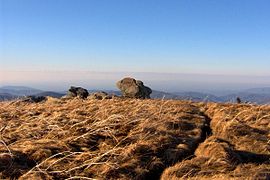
x=239, y=147
x=132, y=139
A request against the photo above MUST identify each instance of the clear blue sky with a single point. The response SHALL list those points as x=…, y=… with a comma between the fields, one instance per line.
x=179, y=36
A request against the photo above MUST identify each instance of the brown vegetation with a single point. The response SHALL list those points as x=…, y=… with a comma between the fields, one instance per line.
x=239, y=147
x=133, y=139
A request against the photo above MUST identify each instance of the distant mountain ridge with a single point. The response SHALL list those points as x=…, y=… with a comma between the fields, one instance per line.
x=264, y=90
x=7, y=96
x=19, y=90
x=50, y=93
x=248, y=97
x=255, y=95
x=197, y=96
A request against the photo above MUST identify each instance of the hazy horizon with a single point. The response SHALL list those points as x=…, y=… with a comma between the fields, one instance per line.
x=169, y=82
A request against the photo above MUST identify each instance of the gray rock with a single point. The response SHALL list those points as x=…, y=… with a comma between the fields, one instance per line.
x=34, y=99
x=100, y=95
x=77, y=92
x=133, y=88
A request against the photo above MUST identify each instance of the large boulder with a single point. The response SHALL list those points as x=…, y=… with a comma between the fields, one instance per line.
x=133, y=88
x=77, y=92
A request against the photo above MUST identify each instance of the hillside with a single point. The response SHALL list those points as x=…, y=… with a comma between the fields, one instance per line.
x=133, y=139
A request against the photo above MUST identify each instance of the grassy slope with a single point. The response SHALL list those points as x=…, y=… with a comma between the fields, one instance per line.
x=239, y=147
x=132, y=139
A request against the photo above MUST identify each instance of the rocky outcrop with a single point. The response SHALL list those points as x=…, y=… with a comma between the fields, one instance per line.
x=133, y=88
x=77, y=92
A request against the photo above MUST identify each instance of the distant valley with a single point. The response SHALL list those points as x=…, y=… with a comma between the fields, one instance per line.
x=256, y=95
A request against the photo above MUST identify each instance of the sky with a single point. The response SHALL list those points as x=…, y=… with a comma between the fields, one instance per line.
x=98, y=40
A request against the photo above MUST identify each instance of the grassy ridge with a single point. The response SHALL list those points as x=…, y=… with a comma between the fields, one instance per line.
x=132, y=139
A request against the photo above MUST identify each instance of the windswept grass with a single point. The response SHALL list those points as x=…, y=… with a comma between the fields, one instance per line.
x=132, y=139
x=99, y=139
x=239, y=147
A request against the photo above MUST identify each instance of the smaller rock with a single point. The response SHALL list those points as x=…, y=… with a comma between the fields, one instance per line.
x=77, y=92
x=34, y=99
x=100, y=95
